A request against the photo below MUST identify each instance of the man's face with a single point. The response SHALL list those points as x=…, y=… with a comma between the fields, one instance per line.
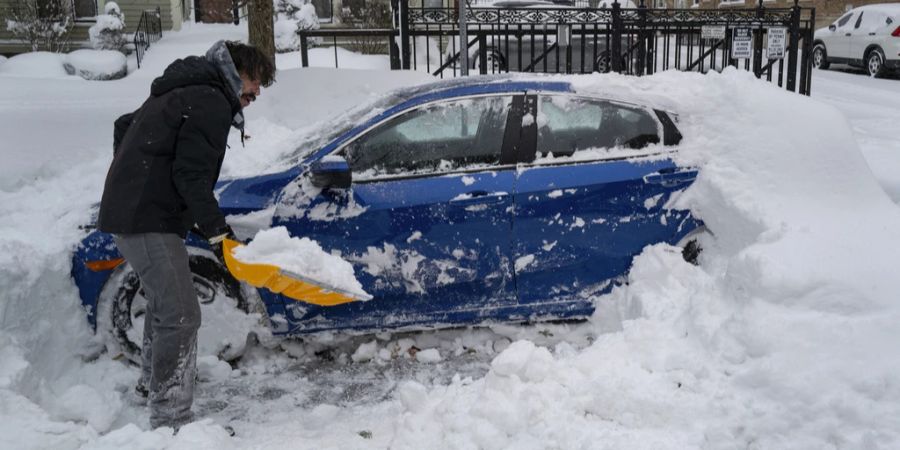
x=250, y=90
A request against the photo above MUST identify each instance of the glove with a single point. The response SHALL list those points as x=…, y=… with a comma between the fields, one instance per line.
x=215, y=242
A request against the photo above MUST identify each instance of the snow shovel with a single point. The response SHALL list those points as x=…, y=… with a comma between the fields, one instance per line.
x=284, y=282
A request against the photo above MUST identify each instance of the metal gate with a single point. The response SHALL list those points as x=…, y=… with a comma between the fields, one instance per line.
x=775, y=43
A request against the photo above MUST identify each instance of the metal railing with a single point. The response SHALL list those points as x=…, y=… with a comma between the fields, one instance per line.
x=637, y=41
x=149, y=30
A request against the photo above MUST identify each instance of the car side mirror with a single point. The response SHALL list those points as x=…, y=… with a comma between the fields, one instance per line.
x=832, y=27
x=331, y=172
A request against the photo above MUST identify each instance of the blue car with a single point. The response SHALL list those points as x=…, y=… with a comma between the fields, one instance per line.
x=484, y=199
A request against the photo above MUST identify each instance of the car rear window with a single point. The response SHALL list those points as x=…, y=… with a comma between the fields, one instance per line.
x=578, y=127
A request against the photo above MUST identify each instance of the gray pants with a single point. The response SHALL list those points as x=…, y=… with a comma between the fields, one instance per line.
x=169, y=354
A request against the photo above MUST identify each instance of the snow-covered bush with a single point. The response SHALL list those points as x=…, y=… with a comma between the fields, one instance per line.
x=43, y=24
x=96, y=64
x=109, y=31
x=294, y=15
x=35, y=65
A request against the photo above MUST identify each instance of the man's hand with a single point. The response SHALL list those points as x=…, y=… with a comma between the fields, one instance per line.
x=215, y=242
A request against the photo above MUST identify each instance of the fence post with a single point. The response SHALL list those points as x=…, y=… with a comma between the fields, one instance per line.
x=304, y=50
x=393, y=49
x=794, y=47
x=482, y=53
x=404, y=33
x=615, y=59
x=758, y=43
x=806, y=60
x=642, y=43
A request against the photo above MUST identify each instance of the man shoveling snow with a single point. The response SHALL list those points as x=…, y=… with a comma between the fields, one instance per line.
x=167, y=157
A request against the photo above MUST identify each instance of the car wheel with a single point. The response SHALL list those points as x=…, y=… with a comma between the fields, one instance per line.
x=496, y=63
x=122, y=307
x=603, y=64
x=875, y=63
x=693, y=243
x=820, y=57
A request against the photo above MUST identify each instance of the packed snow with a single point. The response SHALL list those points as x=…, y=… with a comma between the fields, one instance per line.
x=301, y=256
x=782, y=337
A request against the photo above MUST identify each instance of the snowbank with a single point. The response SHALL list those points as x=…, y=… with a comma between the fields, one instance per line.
x=301, y=256
x=34, y=65
x=96, y=64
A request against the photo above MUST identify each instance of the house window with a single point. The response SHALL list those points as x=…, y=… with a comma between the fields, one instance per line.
x=324, y=10
x=84, y=8
x=659, y=4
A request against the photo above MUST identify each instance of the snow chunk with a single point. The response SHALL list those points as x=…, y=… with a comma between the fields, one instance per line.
x=365, y=352
x=468, y=181
x=302, y=256
x=555, y=194
x=84, y=403
x=431, y=355
x=523, y=262
x=525, y=360
x=210, y=367
x=414, y=237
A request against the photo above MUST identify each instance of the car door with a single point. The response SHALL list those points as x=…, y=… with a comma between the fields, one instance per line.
x=427, y=220
x=839, y=44
x=589, y=199
x=870, y=24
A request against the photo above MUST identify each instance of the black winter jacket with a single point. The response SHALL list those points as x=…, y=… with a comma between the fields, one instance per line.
x=168, y=155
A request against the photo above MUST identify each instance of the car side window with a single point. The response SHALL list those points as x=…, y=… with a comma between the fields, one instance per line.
x=859, y=20
x=568, y=125
x=440, y=137
x=843, y=20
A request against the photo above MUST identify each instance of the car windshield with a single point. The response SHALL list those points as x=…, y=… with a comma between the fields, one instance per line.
x=328, y=130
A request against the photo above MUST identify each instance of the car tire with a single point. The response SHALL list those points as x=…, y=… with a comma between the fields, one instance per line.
x=820, y=57
x=121, y=303
x=603, y=63
x=693, y=243
x=875, y=63
x=496, y=63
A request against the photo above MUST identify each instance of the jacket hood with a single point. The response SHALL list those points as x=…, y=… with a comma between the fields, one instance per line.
x=192, y=71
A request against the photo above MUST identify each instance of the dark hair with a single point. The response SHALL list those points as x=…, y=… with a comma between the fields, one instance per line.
x=252, y=62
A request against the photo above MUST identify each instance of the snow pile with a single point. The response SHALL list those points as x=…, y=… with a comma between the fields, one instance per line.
x=782, y=338
x=96, y=64
x=35, y=65
x=301, y=256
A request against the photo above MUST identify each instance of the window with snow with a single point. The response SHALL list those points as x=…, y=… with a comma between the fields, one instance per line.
x=569, y=125
x=442, y=137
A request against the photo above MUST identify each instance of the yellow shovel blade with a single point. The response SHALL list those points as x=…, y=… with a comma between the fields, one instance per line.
x=281, y=282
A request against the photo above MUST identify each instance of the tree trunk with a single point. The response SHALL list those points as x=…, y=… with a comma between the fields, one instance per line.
x=262, y=28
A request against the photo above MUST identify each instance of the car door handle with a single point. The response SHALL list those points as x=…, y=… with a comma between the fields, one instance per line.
x=848, y=34
x=479, y=197
x=871, y=34
x=670, y=177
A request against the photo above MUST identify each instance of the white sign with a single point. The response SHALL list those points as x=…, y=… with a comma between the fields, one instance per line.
x=777, y=42
x=714, y=32
x=742, y=44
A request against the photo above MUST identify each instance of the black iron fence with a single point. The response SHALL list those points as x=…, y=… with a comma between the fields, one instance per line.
x=775, y=43
x=149, y=30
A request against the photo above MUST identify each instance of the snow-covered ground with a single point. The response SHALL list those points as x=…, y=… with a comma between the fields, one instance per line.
x=782, y=338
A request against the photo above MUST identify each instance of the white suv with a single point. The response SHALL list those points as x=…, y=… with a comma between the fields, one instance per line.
x=868, y=37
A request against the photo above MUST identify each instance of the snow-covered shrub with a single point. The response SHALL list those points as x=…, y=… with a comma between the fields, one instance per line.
x=109, y=31
x=294, y=15
x=43, y=24
x=96, y=64
x=35, y=65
